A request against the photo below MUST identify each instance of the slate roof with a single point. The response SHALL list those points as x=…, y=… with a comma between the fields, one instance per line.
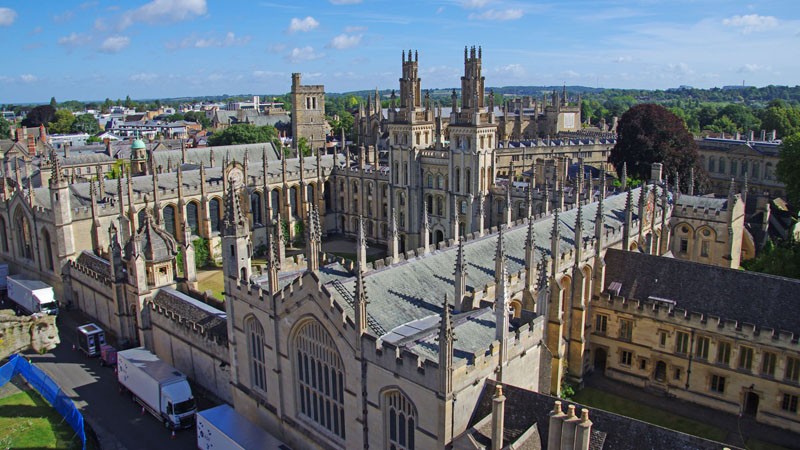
x=94, y=262
x=764, y=300
x=701, y=202
x=155, y=243
x=213, y=321
x=525, y=409
x=79, y=192
x=414, y=289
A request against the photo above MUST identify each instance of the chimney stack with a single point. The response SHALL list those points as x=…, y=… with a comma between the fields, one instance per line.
x=498, y=412
x=583, y=431
x=556, y=421
x=568, y=427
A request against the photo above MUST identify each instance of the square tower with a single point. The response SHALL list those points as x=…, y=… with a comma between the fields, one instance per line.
x=308, y=113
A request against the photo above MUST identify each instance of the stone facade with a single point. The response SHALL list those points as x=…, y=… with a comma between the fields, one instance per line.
x=308, y=113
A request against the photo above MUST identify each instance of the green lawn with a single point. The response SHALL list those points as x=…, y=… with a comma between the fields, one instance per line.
x=214, y=282
x=27, y=421
x=616, y=404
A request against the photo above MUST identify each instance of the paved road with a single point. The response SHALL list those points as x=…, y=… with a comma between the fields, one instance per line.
x=117, y=421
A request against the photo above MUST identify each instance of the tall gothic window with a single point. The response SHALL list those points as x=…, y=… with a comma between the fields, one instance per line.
x=169, y=220
x=192, y=217
x=255, y=349
x=3, y=235
x=400, y=421
x=48, y=250
x=213, y=214
x=320, y=378
x=255, y=207
x=24, y=238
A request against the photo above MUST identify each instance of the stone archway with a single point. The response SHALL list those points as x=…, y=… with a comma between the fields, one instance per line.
x=660, y=374
x=600, y=359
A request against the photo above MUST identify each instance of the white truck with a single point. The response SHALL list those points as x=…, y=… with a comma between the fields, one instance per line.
x=158, y=387
x=32, y=296
x=222, y=428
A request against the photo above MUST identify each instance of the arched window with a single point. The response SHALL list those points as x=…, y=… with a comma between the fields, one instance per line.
x=48, y=250
x=712, y=164
x=255, y=208
x=430, y=204
x=468, y=181
x=458, y=180
x=255, y=351
x=24, y=238
x=439, y=206
x=294, y=203
x=192, y=217
x=722, y=165
x=214, y=213
x=320, y=378
x=440, y=182
x=275, y=202
x=430, y=181
x=140, y=216
x=169, y=220
x=3, y=235
x=400, y=421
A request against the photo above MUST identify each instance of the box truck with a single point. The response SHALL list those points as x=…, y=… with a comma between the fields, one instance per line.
x=160, y=388
x=32, y=296
x=90, y=339
x=222, y=428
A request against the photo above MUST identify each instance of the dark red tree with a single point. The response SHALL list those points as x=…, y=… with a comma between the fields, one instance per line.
x=648, y=134
x=39, y=115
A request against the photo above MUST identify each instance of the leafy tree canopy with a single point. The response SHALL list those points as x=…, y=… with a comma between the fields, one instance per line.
x=648, y=134
x=39, y=115
x=5, y=129
x=788, y=169
x=85, y=123
x=245, y=133
x=62, y=123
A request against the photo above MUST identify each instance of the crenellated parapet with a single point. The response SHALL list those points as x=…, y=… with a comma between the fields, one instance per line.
x=666, y=312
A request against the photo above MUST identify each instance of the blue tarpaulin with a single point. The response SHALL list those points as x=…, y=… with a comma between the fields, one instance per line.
x=47, y=388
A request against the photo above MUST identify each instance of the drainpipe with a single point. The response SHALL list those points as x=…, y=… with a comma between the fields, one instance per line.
x=691, y=356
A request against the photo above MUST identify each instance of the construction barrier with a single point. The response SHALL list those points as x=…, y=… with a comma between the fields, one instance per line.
x=47, y=388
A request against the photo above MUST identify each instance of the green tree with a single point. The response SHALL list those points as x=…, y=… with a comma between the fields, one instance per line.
x=245, y=133
x=128, y=102
x=724, y=124
x=85, y=123
x=201, y=252
x=304, y=147
x=648, y=134
x=782, y=118
x=119, y=169
x=5, y=129
x=62, y=123
x=53, y=102
x=782, y=260
x=788, y=169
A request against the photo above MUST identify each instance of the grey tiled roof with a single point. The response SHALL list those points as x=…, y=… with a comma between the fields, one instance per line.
x=701, y=202
x=763, y=300
x=95, y=263
x=415, y=289
x=212, y=321
x=525, y=409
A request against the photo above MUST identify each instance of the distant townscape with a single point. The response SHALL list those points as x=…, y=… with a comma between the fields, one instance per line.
x=408, y=269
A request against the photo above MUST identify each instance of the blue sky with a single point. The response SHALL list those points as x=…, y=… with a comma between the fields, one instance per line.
x=89, y=50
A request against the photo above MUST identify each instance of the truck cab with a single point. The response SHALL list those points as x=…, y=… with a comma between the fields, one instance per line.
x=178, y=405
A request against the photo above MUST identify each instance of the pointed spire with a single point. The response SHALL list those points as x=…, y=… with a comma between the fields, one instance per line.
x=361, y=246
x=555, y=240
x=624, y=177
x=394, y=236
x=426, y=228
x=579, y=233
x=234, y=219
x=501, y=311
x=530, y=254
x=360, y=305
x=58, y=176
x=744, y=189
x=626, y=226
x=691, y=181
x=313, y=241
x=599, y=223
x=446, y=339
x=499, y=256
x=460, y=277
x=677, y=179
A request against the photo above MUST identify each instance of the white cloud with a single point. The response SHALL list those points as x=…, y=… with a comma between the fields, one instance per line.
x=28, y=78
x=74, y=40
x=164, y=11
x=623, y=59
x=680, y=68
x=512, y=70
x=751, y=22
x=276, y=48
x=300, y=54
x=194, y=41
x=344, y=41
x=494, y=14
x=474, y=4
x=354, y=29
x=7, y=17
x=114, y=44
x=345, y=2
x=751, y=68
x=143, y=77
x=307, y=24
